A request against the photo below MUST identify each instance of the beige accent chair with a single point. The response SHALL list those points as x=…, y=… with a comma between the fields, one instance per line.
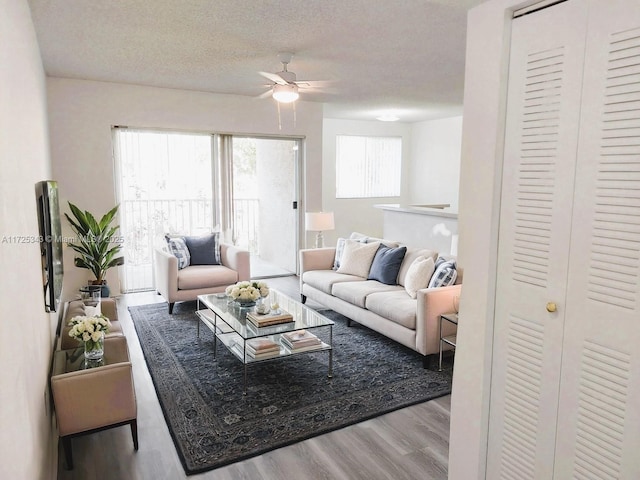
x=93, y=399
x=187, y=283
x=76, y=308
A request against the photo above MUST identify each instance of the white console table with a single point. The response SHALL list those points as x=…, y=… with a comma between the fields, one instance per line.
x=421, y=226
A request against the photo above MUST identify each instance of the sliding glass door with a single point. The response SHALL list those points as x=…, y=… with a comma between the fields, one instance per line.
x=178, y=183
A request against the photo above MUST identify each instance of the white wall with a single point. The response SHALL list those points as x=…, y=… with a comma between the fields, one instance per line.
x=481, y=171
x=26, y=330
x=358, y=214
x=82, y=113
x=435, y=162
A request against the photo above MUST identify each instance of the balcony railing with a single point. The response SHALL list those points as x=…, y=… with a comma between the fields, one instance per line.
x=145, y=222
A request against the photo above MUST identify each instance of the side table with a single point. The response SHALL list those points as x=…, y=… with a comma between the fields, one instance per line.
x=88, y=400
x=447, y=339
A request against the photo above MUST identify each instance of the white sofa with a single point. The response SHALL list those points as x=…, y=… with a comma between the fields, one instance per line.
x=387, y=309
x=179, y=285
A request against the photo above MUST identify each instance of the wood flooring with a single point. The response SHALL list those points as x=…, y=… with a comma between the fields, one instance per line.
x=411, y=443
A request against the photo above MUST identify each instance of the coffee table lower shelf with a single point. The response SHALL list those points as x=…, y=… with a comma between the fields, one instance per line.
x=236, y=344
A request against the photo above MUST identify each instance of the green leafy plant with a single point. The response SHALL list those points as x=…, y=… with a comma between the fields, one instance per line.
x=95, y=247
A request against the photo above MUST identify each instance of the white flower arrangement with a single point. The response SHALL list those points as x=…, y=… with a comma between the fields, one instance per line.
x=247, y=291
x=89, y=329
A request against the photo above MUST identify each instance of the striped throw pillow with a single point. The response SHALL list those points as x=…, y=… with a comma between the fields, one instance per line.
x=445, y=273
x=178, y=249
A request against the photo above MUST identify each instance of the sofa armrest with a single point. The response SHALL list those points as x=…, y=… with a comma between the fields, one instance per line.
x=316, y=259
x=166, y=273
x=433, y=302
x=236, y=259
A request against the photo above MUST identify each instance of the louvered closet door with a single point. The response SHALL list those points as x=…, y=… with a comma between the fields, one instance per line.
x=543, y=108
x=599, y=428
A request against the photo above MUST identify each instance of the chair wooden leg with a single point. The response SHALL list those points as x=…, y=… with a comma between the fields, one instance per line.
x=171, y=308
x=68, y=454
x=134, y=433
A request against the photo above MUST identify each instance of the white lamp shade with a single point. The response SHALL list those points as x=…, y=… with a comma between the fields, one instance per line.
x=319, y=221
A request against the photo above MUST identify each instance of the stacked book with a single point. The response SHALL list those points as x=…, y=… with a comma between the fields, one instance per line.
x=300, y=341
x=261, y=348
x=269, y=319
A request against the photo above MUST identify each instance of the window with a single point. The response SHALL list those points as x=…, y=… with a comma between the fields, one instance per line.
x=368, y=166
x=165, y=186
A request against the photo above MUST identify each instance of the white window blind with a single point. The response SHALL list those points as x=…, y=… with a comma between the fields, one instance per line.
x=368, y=166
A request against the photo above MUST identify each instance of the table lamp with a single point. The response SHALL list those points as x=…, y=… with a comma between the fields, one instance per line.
x=319, y=222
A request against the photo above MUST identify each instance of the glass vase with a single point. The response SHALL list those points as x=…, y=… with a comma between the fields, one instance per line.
x=245, y=303
x=94, y=350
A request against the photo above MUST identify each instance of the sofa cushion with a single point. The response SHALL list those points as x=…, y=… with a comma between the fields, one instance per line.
x=204, y=249
x=394, y=305
x=409, y=257
x=205, y=276
x=357, y=257
x=356, y=292
x=419, y=275
x=178, y=248
x=445, y=273
x=324, y=280
x=386, y=264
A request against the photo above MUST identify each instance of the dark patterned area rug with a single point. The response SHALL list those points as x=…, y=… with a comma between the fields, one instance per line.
x=288, y=400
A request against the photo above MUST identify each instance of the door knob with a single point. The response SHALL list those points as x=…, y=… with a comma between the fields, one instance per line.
x=551, y=307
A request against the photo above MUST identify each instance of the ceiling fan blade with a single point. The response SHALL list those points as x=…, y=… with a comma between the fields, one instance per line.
x=266, y=94
x=274, y=77
x=314, y=83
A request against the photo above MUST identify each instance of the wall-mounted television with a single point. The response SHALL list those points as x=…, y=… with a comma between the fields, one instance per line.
x=50, y=243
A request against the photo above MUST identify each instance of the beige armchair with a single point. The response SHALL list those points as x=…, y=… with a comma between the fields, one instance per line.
x=75, y=308
x=186, y=284
x=87, y=400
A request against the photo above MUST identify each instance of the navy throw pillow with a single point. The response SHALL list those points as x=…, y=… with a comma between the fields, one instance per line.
x=204, y=250
x=386, y=264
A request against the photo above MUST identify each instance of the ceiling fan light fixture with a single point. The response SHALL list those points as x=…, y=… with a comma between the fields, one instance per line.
x=285, y=93
x=388, y=117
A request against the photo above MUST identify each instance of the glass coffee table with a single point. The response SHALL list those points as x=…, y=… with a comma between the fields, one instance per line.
x=229, y=324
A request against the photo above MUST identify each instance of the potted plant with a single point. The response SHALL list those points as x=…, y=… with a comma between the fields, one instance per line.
x=94, y=246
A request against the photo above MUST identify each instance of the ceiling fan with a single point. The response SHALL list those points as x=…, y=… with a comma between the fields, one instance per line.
x=285, y=87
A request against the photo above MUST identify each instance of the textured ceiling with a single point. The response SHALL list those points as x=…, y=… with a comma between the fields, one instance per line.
x=371, y=55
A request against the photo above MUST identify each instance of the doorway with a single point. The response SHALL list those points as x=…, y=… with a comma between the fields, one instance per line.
x=264, y=198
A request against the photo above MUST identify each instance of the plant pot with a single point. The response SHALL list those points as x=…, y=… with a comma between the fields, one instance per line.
x=105, y=291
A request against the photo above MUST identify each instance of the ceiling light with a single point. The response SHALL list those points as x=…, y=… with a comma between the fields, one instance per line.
x=285, y=93
x=388, y=117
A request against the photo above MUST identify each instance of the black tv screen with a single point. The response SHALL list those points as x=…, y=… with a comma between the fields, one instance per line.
x=50, y=243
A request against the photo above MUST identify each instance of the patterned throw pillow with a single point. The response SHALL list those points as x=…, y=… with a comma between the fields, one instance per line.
x=178, y=249
x=357, y=257
x=339, y=250
x=445, y=273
